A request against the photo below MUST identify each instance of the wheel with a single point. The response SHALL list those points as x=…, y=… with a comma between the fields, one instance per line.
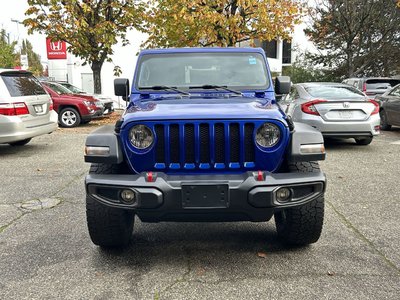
x=384, y=123
x=20, y=143
x=301, y=225
x=69, y=117
x=364, y=141
x=108, y=227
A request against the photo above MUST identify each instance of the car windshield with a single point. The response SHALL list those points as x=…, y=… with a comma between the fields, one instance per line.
x=58, y=88
x=183, y=70
x=334, y=92
x=72, y=88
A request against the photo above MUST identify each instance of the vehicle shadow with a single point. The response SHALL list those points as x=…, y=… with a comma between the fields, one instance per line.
x=21, y=151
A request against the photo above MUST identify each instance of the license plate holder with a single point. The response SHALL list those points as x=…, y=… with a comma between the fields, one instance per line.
x=346, y=114
x=38, y=108
x=203, y=196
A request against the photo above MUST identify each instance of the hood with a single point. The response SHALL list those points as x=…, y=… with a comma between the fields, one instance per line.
x=189, y=109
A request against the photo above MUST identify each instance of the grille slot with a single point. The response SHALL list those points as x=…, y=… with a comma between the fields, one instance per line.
x=205, y=145
x=189, y=143
x=248, y=142
x=234, y=140
x=160, y=149
x=219, y=143
x=174, y=143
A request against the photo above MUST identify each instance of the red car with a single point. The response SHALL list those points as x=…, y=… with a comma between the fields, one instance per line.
x=72, y=109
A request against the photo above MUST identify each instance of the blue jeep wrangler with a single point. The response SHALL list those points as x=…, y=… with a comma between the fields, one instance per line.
x=203, y=139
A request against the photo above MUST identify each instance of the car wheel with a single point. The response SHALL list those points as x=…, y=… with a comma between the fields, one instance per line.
x=69, y=117
x=364, y=141
x=301, y=225
x=20, y=143
x=108, y=226
x=384, y=123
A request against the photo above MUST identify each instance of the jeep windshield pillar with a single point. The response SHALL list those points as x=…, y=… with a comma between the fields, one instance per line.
x=203, y=139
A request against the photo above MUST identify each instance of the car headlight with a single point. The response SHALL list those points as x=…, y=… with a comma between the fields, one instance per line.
x=141, y=137
x=87, y=103
x=268, y=135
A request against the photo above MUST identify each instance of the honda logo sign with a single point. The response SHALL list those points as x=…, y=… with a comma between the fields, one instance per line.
x=56, y=49
x=346, y=104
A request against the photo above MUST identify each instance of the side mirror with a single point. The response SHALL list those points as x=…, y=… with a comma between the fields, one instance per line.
x=282, y=85
x=121, y=88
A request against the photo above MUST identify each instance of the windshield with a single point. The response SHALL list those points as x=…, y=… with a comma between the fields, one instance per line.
x=334, y=92
x=184, y=70
x=58, y=88
x=72, y=88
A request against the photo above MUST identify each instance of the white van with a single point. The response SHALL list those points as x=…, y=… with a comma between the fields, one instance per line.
x=26, y=110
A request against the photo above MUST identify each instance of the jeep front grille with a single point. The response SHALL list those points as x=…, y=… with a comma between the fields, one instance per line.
x=202, y=145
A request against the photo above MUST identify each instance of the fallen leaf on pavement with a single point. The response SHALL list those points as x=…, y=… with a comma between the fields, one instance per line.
x=262, y=254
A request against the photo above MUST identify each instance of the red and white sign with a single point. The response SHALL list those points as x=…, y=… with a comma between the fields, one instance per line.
x=56, y=49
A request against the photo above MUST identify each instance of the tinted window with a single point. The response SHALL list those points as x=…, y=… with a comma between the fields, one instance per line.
x=72, y=88
x=334, y=92
x=58, y=88
x=22, y=84
x=183, y=70
x=395, y=92
x=381, y=84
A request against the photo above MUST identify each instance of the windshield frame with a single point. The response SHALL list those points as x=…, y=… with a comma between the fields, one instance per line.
x=136, y=88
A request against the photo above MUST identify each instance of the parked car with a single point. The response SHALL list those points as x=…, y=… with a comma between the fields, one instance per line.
x=204, y=140
x=73, y=109
x=335, y=109
x=390, y=108
x=106, y=101
x=372, y=86
x=26, y=110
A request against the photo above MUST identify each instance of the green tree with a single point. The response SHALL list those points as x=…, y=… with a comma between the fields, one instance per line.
x=35, y=66
x=179, y=23
x=8, y=55
x=357, y=37
x=90, y=27
x=304, y=70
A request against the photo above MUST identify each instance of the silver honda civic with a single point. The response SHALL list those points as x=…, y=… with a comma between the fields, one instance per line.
x=335, y=109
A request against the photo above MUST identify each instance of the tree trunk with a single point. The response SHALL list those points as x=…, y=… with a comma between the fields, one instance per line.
x=96, y=68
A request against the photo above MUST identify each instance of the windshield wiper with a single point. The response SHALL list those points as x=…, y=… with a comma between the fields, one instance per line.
x=215, y=87
x=164, y=88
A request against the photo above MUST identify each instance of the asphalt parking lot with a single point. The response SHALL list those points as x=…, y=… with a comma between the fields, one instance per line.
x=45, y=250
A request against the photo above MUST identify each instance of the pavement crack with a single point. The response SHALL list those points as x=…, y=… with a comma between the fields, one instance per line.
x=181, y=279
x=26, y=210
x=360, y=235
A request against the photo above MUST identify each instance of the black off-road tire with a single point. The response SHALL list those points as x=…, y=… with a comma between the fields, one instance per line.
x=384, y=124
x=364, y=141
x=301, y=225
x=20, y=143
x=108, y=226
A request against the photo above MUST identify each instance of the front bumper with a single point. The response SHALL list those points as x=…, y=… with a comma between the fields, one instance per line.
x=13, y=129
x=167, y=197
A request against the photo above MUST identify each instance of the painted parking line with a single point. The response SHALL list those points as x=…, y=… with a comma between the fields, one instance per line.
x=395, y=143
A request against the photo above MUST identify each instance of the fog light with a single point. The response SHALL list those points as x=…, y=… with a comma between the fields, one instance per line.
x=128, y=196
x=283, y=194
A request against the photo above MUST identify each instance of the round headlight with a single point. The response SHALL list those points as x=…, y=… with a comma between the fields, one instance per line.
x=268, y=135
x=141, y=137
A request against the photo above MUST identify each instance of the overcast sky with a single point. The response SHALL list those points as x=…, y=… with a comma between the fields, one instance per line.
x=15, y=9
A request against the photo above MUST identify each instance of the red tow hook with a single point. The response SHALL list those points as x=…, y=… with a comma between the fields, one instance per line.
x=260, y=176
x=149, y=177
